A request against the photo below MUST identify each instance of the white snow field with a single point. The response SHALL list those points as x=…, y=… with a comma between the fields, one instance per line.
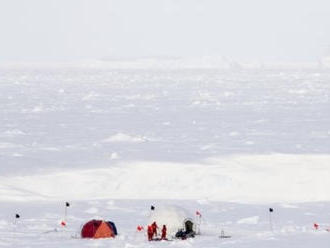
x=113, y=139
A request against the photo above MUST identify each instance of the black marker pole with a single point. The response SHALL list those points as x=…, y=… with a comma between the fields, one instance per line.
x=66, y=210
x=17, y=216
x=271, y=210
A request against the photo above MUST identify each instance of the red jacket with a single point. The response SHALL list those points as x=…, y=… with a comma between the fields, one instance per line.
x=164, y=232
x=154, y=228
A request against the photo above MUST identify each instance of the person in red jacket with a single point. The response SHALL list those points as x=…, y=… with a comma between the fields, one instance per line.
x=164, y=233
x=154, y=229
x=150, y=233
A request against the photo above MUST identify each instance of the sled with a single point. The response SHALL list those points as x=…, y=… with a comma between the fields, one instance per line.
x=224, y=236
x=159, y=239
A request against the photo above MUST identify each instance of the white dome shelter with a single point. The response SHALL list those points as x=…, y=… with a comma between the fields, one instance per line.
x=175, y=219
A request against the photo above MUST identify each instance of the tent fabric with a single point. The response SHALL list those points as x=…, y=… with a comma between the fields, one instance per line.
x=103, y=231
x=89, y=229
x=98, y=229
x=113, y=226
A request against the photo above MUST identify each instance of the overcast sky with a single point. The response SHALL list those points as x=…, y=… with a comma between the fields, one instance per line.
x=276, y=30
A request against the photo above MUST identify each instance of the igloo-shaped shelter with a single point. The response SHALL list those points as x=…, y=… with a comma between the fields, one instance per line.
x=175, y=218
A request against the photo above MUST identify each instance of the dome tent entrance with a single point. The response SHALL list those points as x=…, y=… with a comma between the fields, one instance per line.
x=189, y=226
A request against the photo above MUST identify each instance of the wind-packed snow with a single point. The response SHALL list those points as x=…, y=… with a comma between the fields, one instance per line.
x=258, y=178
x=112, y=140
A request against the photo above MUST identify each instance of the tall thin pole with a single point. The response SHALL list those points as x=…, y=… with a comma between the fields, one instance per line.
x=63, y=223
x=17, y=216
x=270, y=219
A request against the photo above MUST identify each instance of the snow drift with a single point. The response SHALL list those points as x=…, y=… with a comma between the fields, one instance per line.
x=249, y=178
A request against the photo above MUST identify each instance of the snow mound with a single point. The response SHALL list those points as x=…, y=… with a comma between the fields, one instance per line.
x=12, y=133
x=171, y=216
x=122, y=137
x=250, y=220
x=248, y=178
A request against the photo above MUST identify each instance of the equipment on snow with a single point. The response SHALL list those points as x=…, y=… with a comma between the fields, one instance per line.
x=185, y=234
x=223, y=236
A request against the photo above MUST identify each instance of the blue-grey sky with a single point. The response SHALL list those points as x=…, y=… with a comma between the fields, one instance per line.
x=267, y=30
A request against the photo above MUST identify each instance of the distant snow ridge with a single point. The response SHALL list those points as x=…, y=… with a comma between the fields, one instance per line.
x=246, y=178
x=122, y=137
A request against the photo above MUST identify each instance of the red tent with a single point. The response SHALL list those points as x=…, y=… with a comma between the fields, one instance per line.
x=98, y=229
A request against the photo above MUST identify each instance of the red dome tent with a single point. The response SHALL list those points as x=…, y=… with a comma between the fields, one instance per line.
x=95, y=229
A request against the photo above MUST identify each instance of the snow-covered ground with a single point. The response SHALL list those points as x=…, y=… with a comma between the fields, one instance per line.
x=229, y=142
x=247, y=224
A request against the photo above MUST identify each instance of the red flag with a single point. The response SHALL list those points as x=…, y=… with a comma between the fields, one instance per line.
x=139, y=228
x=198, y=213
x=316, y=226
x=63, y=223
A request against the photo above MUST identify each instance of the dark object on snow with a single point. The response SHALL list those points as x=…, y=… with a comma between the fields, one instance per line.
x=17, y=216
x=67, y=204
x=98, y=229
x=223, y=236
x=113, y=226
x=189, y=226
x=185, y=234
x=152, y=207
x=180, y=234
x=271, y=210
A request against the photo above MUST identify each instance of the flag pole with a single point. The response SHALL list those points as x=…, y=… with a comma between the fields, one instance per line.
x=67, y=204
x=270, y=219
x=17, y=216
